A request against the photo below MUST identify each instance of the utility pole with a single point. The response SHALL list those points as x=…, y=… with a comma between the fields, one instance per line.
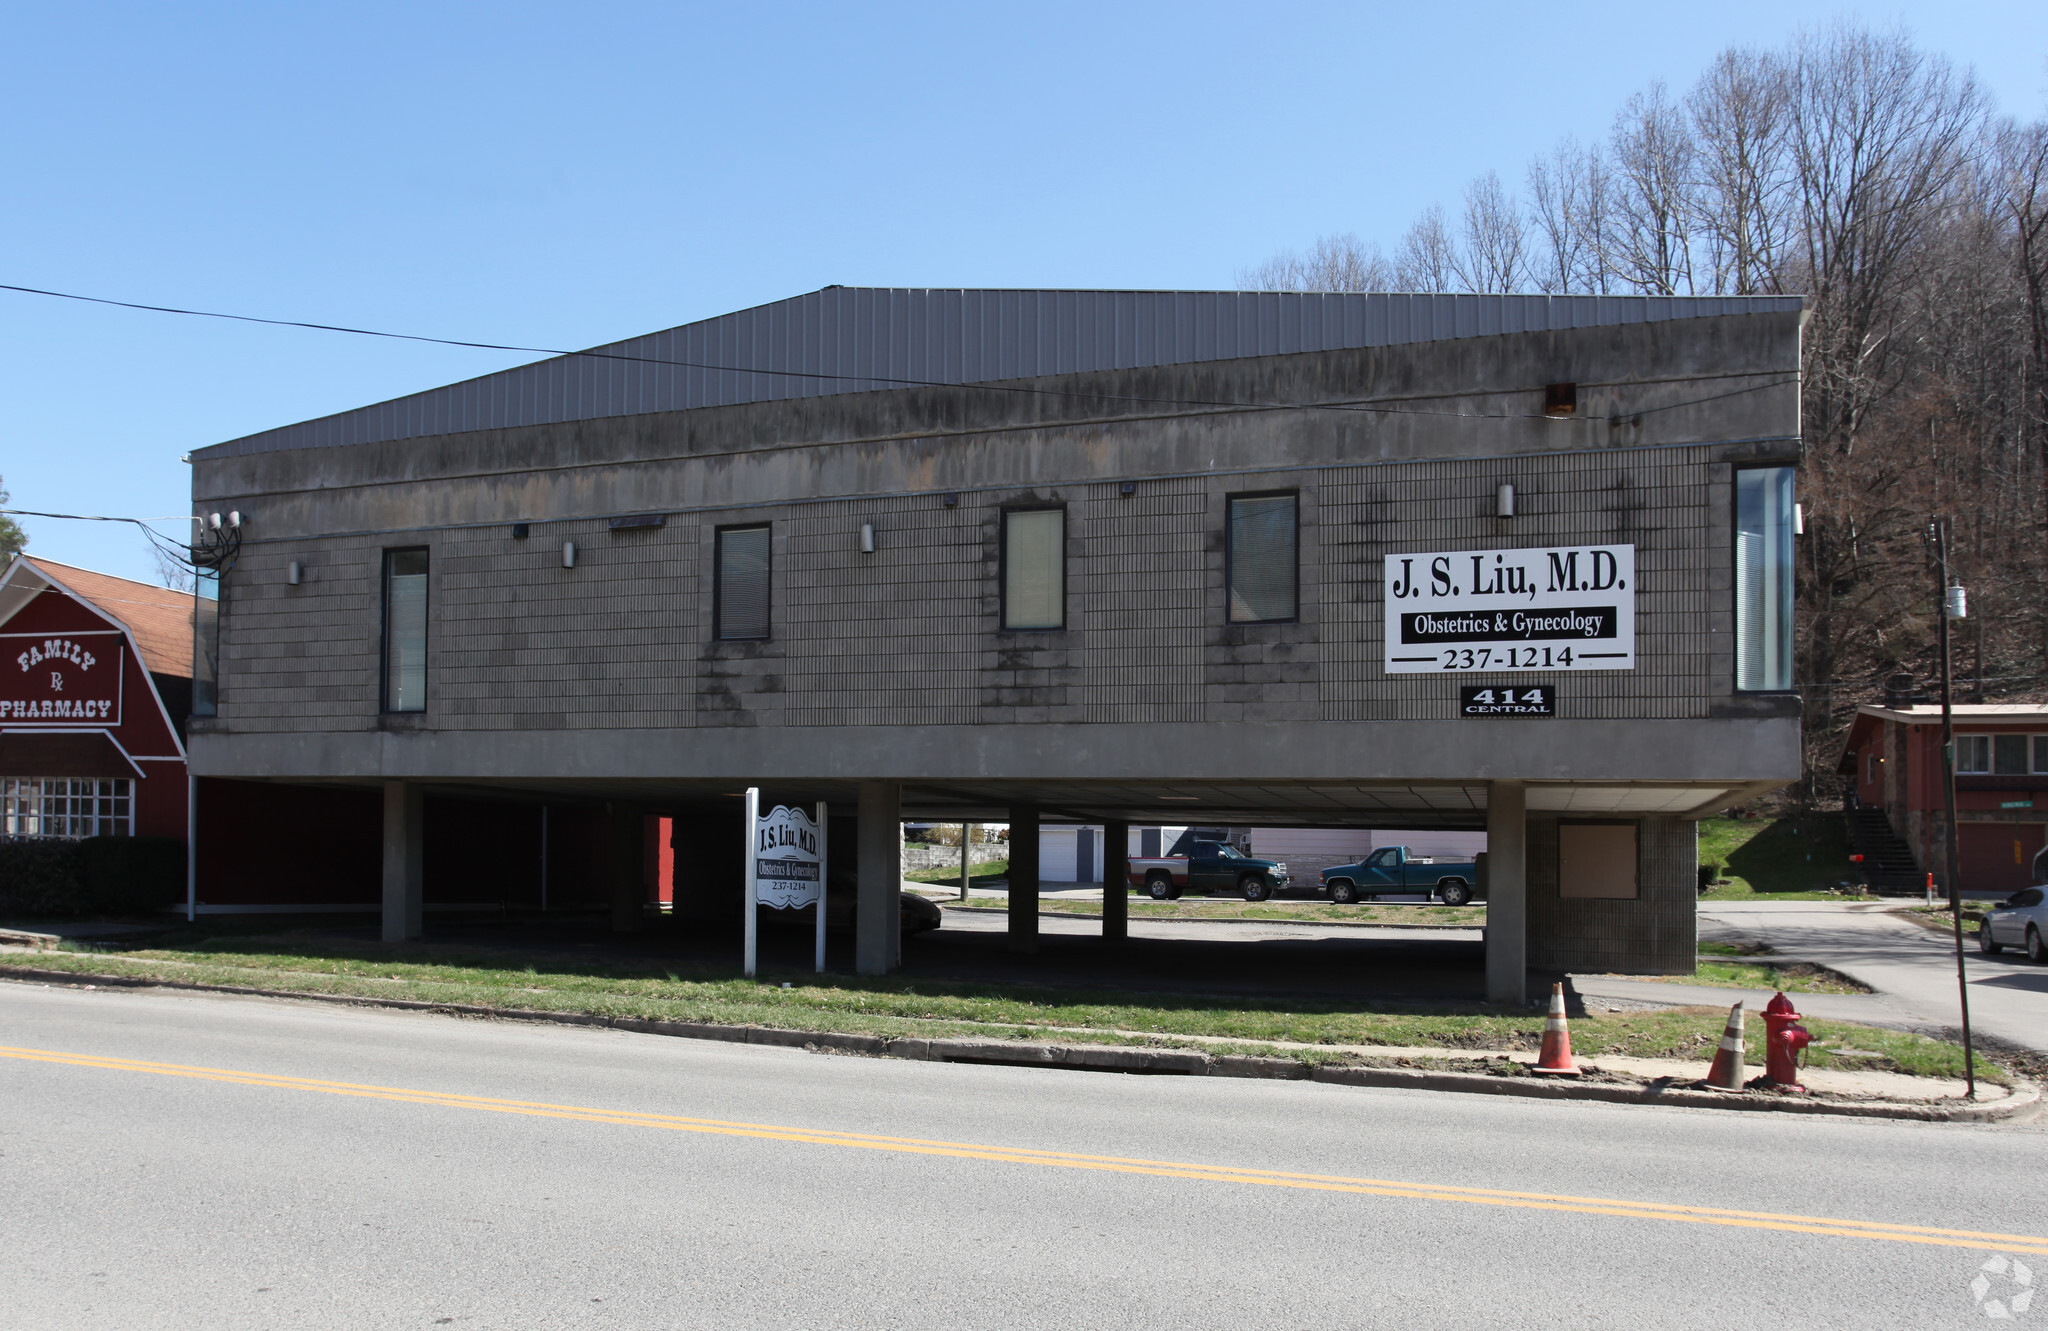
x=1950, y=604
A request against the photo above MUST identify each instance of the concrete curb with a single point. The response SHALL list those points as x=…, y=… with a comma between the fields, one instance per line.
x=1196, y=919
x=1110, y=1058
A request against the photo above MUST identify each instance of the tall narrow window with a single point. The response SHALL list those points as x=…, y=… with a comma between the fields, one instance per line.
x=206, y=643
x=741, y=612
x=1261, y=558
x=1763, y=578
x=1034, y=568
x=405, y=630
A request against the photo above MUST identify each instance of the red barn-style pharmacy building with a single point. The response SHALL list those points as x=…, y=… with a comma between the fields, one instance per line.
x=95, y=684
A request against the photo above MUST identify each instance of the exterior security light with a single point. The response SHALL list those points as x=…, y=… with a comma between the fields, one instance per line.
x=1799, y=519
x=867, y=538
x=568, y=554
x=1958, y=603
x=1504, y=501
x=294, y=572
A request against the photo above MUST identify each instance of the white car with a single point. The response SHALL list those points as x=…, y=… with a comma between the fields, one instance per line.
x=2021, y=920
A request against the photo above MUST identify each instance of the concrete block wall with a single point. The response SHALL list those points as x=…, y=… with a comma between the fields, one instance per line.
x=1655, y=934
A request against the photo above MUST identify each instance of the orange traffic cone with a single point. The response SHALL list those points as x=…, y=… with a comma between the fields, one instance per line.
x=1726, y=1074
x=1556, y=1059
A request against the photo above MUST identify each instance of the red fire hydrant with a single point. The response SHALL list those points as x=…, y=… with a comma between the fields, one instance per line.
x=1782, y=1044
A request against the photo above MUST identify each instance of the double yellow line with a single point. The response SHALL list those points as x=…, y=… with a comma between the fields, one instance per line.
x=1270, y=1178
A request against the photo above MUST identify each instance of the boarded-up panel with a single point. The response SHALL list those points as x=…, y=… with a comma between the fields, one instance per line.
x=1596, y=860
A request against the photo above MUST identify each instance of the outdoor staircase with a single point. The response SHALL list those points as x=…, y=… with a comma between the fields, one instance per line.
x=1888, y=864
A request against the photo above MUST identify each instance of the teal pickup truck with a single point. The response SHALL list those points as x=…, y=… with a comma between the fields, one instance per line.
x=1392, y=869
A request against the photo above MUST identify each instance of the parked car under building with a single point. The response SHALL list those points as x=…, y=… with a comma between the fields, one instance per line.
x=1499, y=563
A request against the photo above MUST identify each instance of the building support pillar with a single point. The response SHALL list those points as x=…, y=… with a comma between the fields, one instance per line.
x=1116, y=882
x=1507, y=883
x=877, y=914
x=1023, y=878
x=627, y=833
x=404, y=860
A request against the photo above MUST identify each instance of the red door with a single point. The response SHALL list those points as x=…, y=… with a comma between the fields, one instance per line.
x=1998, y=857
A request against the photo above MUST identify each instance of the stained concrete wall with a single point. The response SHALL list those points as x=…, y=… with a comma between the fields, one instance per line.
x=894, y=661
x=1655, y=934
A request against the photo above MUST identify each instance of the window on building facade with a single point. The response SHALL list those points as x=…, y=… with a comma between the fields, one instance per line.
x=2041, y=753
x=206, y=642
x=2011, y=755
x=1763, y=578
x=405, y=630
x=1973, y=755
x=65, y=806
x=1034, y=568
x=740, y=612
x=1263, y=573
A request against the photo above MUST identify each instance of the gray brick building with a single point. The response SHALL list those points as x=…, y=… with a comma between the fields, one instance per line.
x=1107, y=556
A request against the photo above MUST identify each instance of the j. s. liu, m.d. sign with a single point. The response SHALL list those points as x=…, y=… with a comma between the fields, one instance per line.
x=1569, y=608
x=785, y=867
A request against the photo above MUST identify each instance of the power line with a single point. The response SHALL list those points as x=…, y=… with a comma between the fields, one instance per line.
x=1364, y=405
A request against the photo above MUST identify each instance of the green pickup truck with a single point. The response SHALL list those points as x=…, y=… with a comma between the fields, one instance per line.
x=1392, y=869
x=1208, y=866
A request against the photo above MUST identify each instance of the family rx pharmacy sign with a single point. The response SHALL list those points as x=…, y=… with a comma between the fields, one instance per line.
x=1570, y=608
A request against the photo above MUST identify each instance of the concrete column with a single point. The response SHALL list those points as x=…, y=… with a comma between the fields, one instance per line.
x=1116, y=878
x=404, y=855
x=627, y=843
x=1023, y=878
x=1507, y=892
x=877, y=913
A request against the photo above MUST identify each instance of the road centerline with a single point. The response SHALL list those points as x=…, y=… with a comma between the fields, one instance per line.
x=1210, y=1173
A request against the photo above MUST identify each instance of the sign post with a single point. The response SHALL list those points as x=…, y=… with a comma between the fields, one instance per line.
x=785, y=866
x=753, y=883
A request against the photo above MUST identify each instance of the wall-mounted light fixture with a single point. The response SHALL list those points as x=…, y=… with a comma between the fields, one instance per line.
x=1799, y=519
x=1560, y=399
x=867, y=538
x=1504, y=500
x=294, y=572
x=568, y=554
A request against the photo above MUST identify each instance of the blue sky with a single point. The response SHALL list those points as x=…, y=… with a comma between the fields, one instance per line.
x=564, y=175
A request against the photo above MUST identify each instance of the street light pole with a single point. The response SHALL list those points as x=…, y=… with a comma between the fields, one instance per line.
x=1949, y=605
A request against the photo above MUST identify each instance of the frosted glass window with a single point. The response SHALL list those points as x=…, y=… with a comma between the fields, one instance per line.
x=1763, y=578
x=405, y=630
x=1034, y=568
x=743, y=558
x=1262, y=558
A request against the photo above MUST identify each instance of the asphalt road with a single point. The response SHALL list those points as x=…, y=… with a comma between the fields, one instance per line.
x=143, y=1190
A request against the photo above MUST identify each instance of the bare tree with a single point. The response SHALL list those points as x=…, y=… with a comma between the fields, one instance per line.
x=1741, y=117
x=1654, y=199
x=1428, y=260
x=1493, y=257
x=1333, y=263
x=1568, y=204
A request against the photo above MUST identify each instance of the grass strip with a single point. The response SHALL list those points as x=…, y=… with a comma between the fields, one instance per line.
x=897, y=1006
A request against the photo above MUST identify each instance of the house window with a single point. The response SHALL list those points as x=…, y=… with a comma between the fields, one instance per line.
x=740, y=609
x=206, y=642
x=1034, y=568
x=1973, y=755
x=1763, y=578
x=2041, y=753
x=64, y=806
x=1260, y=555
x=2010, y=756
x=405, y=630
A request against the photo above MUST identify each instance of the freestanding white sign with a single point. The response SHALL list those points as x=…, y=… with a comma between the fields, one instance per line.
x=1569, y=608
x=785, y=866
